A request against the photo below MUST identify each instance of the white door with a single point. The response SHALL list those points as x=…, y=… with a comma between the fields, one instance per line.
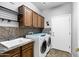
x=61, y=32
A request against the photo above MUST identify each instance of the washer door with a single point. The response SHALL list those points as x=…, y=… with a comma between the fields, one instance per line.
x=43, y=47
x=49, y=41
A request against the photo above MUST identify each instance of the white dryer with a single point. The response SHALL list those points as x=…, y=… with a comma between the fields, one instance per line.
x=41, y=44
x=48, y=38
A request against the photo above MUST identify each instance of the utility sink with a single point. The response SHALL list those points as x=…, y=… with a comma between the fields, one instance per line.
x=15, y=43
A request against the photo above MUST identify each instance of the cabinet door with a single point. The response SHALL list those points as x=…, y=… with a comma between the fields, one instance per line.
x=42, y=24
x=26, y=17
x=27, y=52
x=21, y=15
x=35, y=19
x=13, y=52
x=39, y=21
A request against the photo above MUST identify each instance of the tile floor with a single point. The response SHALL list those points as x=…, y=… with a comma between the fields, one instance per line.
x=58, y=53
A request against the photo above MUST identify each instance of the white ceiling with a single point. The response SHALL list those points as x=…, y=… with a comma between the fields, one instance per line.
x=47, y=5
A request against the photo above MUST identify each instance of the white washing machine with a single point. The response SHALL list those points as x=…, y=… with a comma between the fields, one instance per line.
x=41, y=46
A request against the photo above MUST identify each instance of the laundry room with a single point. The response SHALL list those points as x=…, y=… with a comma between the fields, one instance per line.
x=39, y=29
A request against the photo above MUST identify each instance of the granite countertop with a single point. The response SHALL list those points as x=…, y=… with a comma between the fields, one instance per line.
x=6, y=45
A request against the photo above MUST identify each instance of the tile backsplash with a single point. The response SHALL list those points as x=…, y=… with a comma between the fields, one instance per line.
x=9, y=33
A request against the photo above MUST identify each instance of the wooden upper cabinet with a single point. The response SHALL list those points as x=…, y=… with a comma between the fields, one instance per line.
x=42, y=24
x=30, y=18
x=35, y=19
x=26, y=16
x=39, y=21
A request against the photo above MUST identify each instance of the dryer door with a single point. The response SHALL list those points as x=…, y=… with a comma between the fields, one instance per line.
x=49, y=41
x=43, y=47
